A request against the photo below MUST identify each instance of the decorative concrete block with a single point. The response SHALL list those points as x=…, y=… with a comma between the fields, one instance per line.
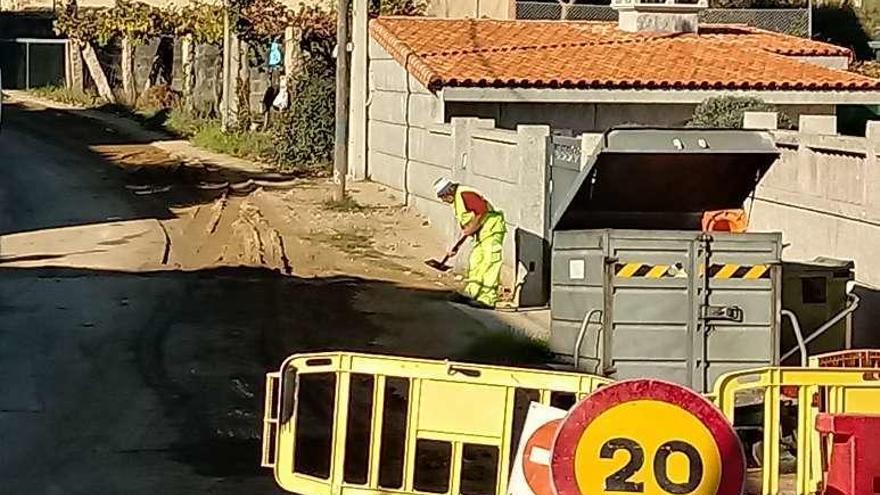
x=760, y=120
x=818, y=124
x=872, y=131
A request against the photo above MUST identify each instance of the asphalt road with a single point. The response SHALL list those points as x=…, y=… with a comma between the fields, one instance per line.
x=111, y=380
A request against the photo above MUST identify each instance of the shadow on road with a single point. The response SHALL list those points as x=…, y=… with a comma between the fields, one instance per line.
x=197, y=343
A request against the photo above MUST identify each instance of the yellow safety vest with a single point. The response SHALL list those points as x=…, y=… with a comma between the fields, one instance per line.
x=493, y=223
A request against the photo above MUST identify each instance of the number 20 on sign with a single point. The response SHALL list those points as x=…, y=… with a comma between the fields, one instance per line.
x=646, y=437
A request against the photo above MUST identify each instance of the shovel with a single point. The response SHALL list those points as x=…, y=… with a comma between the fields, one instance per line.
x=440, y=265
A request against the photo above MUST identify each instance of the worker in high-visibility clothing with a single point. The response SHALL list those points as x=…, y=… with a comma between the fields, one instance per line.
x=480, y=221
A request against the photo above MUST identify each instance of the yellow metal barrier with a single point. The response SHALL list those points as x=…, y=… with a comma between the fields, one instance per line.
x=342, y=423
x=832, y=390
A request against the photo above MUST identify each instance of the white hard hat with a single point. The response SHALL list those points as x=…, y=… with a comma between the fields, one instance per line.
x=442, y=185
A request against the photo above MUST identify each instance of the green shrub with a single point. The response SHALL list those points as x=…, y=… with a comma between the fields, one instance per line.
x=67, y=96
x=185, y=123
x=239, y=143
x=303, y=135
x=512, y=348
x=160, y=96
x=726, y=112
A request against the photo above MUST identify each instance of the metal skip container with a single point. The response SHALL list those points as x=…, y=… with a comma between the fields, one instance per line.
x=637, y=289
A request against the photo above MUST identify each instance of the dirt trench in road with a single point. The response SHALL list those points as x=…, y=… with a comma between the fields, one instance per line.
x=250, y=274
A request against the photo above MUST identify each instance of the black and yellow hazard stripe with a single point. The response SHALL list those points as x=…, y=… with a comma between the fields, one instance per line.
x=641, y=270
x=716, y=270
x=737, y=271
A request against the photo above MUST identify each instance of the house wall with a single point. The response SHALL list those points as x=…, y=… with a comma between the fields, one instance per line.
x=823, y=194
x=409, y=147
x=589, y=117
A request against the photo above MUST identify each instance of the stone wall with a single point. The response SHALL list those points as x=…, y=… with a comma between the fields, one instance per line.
x=208, y=68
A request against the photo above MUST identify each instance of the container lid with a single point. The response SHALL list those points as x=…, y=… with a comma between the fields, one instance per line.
x=664, y=178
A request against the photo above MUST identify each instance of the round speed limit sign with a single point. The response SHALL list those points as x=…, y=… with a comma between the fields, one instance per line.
x=648, y=437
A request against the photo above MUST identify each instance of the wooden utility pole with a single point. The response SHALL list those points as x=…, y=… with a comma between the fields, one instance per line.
x=343, y=80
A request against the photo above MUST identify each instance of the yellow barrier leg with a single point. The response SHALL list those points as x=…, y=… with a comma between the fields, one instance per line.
x=816, y=462
x=770, y=472
x=376, y=429
x=804, y=439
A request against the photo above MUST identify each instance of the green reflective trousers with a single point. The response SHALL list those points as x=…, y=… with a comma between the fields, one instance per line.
x=484, y=265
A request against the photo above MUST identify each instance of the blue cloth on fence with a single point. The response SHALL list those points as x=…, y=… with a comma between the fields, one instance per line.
x=275, y=56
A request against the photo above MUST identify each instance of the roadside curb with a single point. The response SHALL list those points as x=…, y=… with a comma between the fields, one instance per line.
x=528, y=323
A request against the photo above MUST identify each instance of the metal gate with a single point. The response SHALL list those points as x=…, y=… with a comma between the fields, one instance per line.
x=33, y=62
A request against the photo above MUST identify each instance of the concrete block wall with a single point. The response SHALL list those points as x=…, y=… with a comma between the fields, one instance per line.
x=596, y=117
x=823, y=194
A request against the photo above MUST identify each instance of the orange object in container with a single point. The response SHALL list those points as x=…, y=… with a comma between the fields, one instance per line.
x=725, y=221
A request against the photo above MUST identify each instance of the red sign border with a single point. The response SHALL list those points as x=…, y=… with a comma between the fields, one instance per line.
x=562, y=475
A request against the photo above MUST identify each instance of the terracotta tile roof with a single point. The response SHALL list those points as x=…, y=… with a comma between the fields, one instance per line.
x=548, y=54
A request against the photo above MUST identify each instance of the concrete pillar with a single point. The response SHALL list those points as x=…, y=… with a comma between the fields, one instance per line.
x=589, y=143
x=818, y=124
x=188, y=61
x=872, y=173
x=90, y=58
x=760, y=120
x=232, y=84
x=244, y=79
x=128, y=84
x=357, y=113
x=292, y=53
x=73, y=68
x=461, y=147
x=532, y=235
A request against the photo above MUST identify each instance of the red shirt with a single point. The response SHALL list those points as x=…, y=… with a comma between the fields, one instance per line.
x=474, y=203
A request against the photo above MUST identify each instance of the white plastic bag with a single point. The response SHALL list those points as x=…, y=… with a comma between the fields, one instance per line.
x=282, y=98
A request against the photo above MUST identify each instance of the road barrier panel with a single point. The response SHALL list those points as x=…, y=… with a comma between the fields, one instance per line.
x=825, y=390
x=346, y=423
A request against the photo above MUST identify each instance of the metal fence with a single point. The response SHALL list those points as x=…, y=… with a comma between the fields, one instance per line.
x=32, y=62
x=789, y=21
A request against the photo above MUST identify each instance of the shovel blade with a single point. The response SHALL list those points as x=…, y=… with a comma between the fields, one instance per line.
x=437, y=265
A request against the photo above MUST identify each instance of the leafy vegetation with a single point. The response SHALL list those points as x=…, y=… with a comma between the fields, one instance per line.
x=301, y=137
x=260, y=21
x=140, y=22
x=870, y=68
x=243, y=144
x=398, y=7
x=726, y=112
x=304, y=134
x=68, y=96
x=508, y=348
x=202, y=21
